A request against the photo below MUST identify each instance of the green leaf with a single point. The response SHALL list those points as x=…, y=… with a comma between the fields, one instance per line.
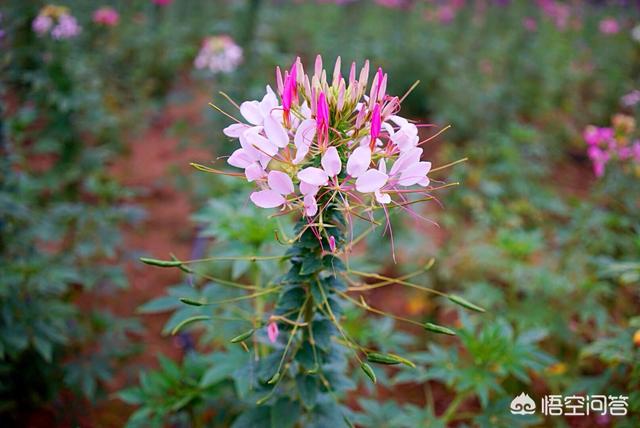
x=308, y=389
x=132, y=396
x=284, y=413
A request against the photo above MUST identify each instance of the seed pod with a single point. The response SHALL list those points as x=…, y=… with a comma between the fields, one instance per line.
x=438, y=329
x=389, y=359
x=465, y=303
x=274, y=378
x=242, y=337
x=160, y=263
x=191, y=302
x=376, y=357
x=189, y=321
x=366, y=368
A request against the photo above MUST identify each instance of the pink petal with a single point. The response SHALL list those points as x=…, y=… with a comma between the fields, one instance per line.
x=310, y=205
x=275, y=132
x=371, y=181
x=414, y=174
x=308, y=189
x=267, y=199
x=331, y=162
x=269, y=102
x=312, y=175
x=406, y=138
x=332, y=243
x=256, y=140
x=382, y=166
x=272, y=332
x=359, y=161
x=280, y=182
x=251, y=111
x=254, y=172
x=240, y=159
x=235, y=130
x=300, y=154
x=305, y=133
x=383, y=198
x=405, y=160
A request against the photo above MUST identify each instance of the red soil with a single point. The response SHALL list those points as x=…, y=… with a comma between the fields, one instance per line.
x=151, y=165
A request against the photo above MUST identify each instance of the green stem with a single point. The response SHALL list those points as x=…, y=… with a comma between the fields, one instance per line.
x=451, y=410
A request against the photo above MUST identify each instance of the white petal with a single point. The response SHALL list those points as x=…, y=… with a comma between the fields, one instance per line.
x=314, y=176
x=359, y=161
x=414, y=174
x=267, y=199
x=371, y=181
x=305, y=133
x=310, y=205
x=240, y=159
x=405, y=160
x=254, y=172
x=258, y=141
x=383, y=198
x=280, y=182
x=251, y=111
x=275, y=132
x=235, y=130
x=331, y=162
x=308, y=189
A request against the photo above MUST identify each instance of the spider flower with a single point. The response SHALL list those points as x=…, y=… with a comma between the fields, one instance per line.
x=106, y=16
x=57, y=22
x=219, y=54
x=322, y=140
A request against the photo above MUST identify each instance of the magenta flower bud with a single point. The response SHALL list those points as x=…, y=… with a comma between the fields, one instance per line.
x=376, y=124
x=362, y=114
x=322, y=120
x=341, y=90
x=336, y=72
x=279, y=81
x=273, y=332
x=318, y=67
x=332, y=244
x=352, y=74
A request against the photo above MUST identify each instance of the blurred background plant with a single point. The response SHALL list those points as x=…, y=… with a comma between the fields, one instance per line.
x=533, y=234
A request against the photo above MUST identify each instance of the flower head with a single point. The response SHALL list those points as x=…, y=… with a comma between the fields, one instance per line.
x=106, y=16
x=318, y=142
x=57, y=22
x=609, y=26
x=219, y=54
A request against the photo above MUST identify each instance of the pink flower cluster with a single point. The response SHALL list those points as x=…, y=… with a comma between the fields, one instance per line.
x=219, y=54
x=57, y=22
x=106, y=16
x=319, y=141
x=558, y=12
x=609, y=26
x=607, y=143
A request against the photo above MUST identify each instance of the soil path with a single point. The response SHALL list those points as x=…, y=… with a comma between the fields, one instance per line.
x=154, y=159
